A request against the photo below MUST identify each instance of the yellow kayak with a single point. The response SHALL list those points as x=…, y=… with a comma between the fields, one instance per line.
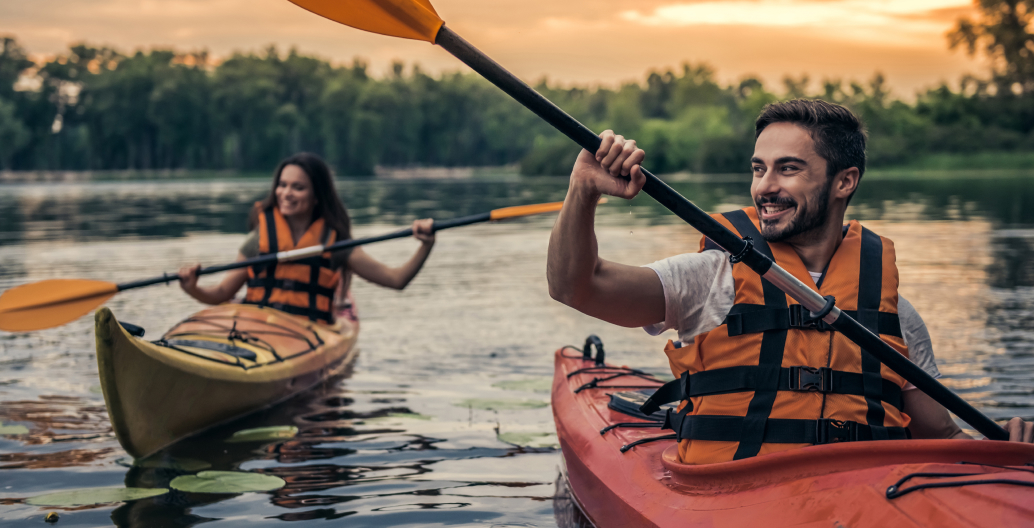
x=219, y=364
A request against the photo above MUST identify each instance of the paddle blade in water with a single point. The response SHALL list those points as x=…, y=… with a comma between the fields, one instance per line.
x=51, y=303
x=411, y=19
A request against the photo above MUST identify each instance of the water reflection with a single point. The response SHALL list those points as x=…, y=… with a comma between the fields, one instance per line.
x=395, y=444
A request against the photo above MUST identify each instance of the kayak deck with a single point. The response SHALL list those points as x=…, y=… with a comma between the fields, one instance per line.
x=219, y=364
x=931, y=482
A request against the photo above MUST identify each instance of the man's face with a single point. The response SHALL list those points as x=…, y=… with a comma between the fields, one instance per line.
x=790, y=188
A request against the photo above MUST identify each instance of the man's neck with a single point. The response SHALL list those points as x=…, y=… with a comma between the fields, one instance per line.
x=816, y=247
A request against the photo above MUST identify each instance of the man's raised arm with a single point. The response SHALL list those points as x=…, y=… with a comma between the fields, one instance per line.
x=616, y=293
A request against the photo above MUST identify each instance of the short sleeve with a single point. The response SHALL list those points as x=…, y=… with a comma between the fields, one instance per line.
x=250, y=247
x=917, y=338
x=699, y=291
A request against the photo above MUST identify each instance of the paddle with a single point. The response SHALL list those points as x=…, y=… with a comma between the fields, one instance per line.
x=417, y=19
x=54, y=302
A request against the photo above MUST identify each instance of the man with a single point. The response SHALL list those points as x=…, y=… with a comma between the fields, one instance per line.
x=777, y=380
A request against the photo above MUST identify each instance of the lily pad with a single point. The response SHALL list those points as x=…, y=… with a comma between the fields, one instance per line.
x=525, y=439
x=91, y=496
x=528, y=385
x=13, y=429
x=261, y=434
x=501, y=405
x=226, y=482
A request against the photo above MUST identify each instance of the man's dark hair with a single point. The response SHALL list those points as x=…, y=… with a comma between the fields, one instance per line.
x=838, y=134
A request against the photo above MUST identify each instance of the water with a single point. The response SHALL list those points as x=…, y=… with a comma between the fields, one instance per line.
x=404, y=439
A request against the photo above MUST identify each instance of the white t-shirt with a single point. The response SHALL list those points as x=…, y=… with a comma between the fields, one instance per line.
x=690, y=277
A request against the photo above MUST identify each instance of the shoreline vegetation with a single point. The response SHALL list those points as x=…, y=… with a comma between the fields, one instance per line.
x=987, y=165
x=99, y=109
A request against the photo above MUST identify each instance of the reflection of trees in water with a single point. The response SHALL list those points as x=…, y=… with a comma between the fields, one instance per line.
x=1011, y=317
x=1013, y=265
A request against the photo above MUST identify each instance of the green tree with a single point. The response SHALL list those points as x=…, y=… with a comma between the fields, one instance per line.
x=1004, y=33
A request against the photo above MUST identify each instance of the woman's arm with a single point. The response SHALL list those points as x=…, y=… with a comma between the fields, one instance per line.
x=218, y=294
x=396, y=278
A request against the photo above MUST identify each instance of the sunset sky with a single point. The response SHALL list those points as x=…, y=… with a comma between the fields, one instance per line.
x=598, y=41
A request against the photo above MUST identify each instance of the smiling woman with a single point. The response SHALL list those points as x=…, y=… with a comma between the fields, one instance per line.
x=302, y=210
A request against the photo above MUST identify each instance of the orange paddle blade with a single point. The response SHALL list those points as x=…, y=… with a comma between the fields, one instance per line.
x=411, y=19
x=51, y=303
x=526, y=210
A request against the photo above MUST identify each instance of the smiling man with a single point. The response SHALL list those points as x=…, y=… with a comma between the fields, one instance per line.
x=761, y=376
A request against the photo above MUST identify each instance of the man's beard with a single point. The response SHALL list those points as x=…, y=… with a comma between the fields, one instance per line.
x=803, y=221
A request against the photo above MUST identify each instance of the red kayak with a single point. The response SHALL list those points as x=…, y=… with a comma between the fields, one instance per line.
x=891, y=483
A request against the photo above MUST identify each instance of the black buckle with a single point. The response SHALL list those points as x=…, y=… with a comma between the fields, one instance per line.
x=801, y=318
x=830, y=431
x=811, y=379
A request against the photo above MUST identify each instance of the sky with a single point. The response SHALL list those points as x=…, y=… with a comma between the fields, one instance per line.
x=569, y=41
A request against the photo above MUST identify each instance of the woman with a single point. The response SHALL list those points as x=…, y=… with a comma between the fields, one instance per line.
x=303, y=210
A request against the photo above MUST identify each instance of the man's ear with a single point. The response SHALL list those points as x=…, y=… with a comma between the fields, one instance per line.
x=846, y=182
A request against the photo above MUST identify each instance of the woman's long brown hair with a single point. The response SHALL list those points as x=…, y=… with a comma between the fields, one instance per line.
x=328, y=203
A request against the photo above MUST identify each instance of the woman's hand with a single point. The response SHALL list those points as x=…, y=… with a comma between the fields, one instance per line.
x=423, y=230
x=188, y=278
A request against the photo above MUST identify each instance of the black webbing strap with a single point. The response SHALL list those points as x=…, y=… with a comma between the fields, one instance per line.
x=779, y=430
x=753, y=426
x=744, y=379
x=290, y=285
x=757, y=318
x=672, y=391
x=274, y=247
x=870, y=292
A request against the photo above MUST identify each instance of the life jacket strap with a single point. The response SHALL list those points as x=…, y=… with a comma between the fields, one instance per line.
x=756, y=318
x=746, y=378
x=780, y=430
x=290, y=285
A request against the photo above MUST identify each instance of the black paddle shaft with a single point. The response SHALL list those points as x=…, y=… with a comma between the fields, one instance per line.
x=337, y=246
x=694, y=216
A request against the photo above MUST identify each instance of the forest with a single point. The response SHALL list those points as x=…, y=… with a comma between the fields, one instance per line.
x=95, y=108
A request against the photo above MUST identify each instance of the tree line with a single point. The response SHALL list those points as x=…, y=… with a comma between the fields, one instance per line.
x=96, y=108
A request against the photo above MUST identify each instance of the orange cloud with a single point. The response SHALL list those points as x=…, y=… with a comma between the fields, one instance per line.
x=584, y=41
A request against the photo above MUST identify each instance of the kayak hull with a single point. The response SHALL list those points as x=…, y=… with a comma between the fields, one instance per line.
x=833, y=485
x=160, y=392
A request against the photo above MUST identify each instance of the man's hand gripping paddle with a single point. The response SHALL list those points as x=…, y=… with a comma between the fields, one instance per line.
x=417, y=19
x=54, y=302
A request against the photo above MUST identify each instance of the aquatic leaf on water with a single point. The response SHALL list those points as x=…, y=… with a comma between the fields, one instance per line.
x=90, y=496
x=526, y=439
x=529, y=385
x=226, y=482
x=261, y=434
x=13, y=429
x=501, y=405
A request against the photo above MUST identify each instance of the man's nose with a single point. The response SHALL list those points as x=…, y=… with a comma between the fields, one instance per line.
x=768, y=184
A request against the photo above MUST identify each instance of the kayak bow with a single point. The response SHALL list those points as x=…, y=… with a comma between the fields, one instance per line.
x=220, y=364
x=901, y=483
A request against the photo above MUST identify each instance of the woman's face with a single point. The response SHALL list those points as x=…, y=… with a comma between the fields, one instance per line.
x=294, y=193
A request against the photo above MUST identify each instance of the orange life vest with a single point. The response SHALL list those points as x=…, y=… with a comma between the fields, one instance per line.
x=302, y=287
x=769, y=378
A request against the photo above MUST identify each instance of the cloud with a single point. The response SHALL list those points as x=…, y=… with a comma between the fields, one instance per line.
x=594, y=41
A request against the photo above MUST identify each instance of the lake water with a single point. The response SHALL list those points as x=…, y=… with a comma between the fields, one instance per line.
x=444, y=419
